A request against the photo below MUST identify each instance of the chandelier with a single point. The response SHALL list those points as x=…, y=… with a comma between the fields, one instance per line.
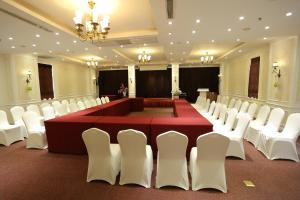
x=92, y=63
x=207, y=58
x=143, y=58
x=95, y=27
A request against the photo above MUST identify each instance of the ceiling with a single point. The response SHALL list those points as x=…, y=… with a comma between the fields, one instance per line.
x=198, y=27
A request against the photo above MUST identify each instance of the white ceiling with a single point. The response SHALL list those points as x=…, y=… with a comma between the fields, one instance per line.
x=144, y=23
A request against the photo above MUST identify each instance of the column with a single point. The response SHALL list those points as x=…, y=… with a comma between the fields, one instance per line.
x=175, y=76
x=131, y=81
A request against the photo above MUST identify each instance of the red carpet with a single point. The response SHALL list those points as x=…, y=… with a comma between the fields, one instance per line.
x=37, y=174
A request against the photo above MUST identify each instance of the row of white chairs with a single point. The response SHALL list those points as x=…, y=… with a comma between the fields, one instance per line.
x=132, y=157
x=262, y=131
x=25, y=125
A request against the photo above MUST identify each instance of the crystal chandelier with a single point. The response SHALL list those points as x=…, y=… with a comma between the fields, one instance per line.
x=95, y=27
x=143, y=58
x=207, y=58
x=92, y=63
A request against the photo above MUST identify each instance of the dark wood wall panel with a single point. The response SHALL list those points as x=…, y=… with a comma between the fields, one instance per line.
x=150, y=84
x=46, y=82
x=190, y=79
x=110, y=81
x=254, y=78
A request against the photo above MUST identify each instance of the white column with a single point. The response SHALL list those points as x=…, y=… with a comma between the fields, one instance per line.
x=175, y=76
x=131, y=81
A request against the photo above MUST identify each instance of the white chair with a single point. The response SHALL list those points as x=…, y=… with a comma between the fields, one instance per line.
x=62, y=110
x=137, y=158
x=93, y=102
x=219, y=97
x=104, y=157
x=207, y=162
x=87, y=104
x=98, y=100
x=44, y=105
x=36, y=132
x=236, y=146
x=55, y=103
x=260, y=120
x=72, y=101
x=171, y=160
x=103, y=100
x=48, y=112
x=17, y=113
x=231, y=104
x=272, y=125
x=215, y=114
x=205, y=107
x=211, y=110
x=80, y=105
x=73, y=107
x=282, y=145
x=222, y=116
x=237, y=105
x=225, y=100
x=243, y=109
x=252, y=110
x=107, y=99
x=35, y=108
x=9, y=133
x=66, y=103
x=228, y=126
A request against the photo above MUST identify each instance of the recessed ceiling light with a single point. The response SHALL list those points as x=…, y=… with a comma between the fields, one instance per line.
x=198, y=21
x=289, y=14
x=170, y=33
x=241, y=18
x=267, y=27
x=34, y=45
x=86, y=48
x=265, y=38
x=240, y=51
x=116, y=56
x=74, y=41
x=229, y=29
x=171, y=53
x=145, y=44
x=37, y=35
x=50, y=51
x=170, y=22
x=57, y=33
x=187, y=42
x=213, y=41
x=58, y=43
x=171, y=43
x=99, y=48
x=121, y=46
x=193, y=31
x=10, y=38
x=68, y=50
x=34, y=53
x=238, y=39
x=183, y=52
x=13, y=47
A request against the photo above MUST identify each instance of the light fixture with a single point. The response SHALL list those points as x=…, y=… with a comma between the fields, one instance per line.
x=28, y=77
x=238, y=39
x=229, y=29
x=170, y=33
x=276, y=69
x=198, y=21
x=207, y=58
x=57, y=33
x=13, y=47
x=10, y=38
x=37, y=35
x=94, y=28
x=144, y=57
x=170, y=22
x=193, y=31
x=289, y=14
x=74, y=41
x=33, y=45
x=58, y=43
x=265, y=38
x=171, y=43
x=212, y=41
x=267, y=27
x=241, y=18
x=92, y=63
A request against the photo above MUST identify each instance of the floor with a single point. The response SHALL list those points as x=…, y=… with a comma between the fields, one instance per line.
x=37, y=174
x=154, y=112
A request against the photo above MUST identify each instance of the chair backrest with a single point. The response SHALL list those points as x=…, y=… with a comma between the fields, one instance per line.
x=212, y=107
x=219, y=97
x=87, y=104
x=275, y=119
x=55, y=103
x=172, y=145
x=216, y=112
x=132, y=143
x=17, y=113
x=31, y=120
x=231, y=103
x=62, y=109
x=98, y=100
x=103, y=100
x=252, y=109
x=44, y=105
x=292, y=126
x=263, y=114
x=73, y=107
x=207, y=104
x=242, y=125
x=81, y=106
x=72, y=101
x=64, y=101
x=34, y=108
x=48, y=112
x=225, y=100
x=231, y=118
x=106, y=99
x=222, y=115
x=238, y=104
x=244, y=107
x=206, y=147
x=97, y=142
x=3, y=118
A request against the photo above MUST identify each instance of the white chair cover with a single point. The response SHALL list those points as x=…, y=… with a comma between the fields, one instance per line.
x=103, y=100
x=93, y=102
x=73, y=107
x=44, y=105
x=216, y=113
x=171, y=160
x=228, y=126
x=48, y=112
x=87, y=104
x=243, y=108
x=252, y=110
x=9, y=133
x=17, y=113
x=81, y=106
x=107, y=99
x=211, y=110
x=282, y=145
x=104, y=158
x=36, y=132
x=207, y=162
x=98, y=100
x=72, y=101
x=66, y=103
x=222, y=116
x=205, y=108
x=137, y=158
x=231, y=104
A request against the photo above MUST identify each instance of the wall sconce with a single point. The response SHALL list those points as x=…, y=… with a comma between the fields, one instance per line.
x=276, y=69
x=28, y=76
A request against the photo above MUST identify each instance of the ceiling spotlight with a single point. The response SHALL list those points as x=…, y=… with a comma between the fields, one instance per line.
x=198, y=21
x=238, y=39
x=50, y=51
x=212, y=41
x=99, y=48
x=289, y=14
x=171, y=43
x=34, y=53
x=116, y=56
x=74, y=41
x=13, y=47
x=170, y=22
x=193, y=31
x=265, y=38
x=267, y=27
x=34, y=45
x=68, y=50
x=170, y=33
x=187, y=42
x=229, y=29
x=240, y=51
x=121, y=46
x=145, y=44
x=10, y=38
x=241, y=18
x=57, y=33
x=58, y=43
x=171, y=53
x=86, y=48
x=37, y=35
